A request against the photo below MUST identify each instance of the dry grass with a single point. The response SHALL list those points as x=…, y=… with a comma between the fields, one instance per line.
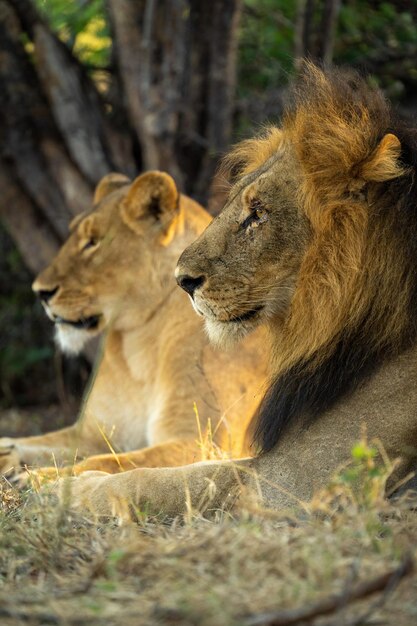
x=56, y=568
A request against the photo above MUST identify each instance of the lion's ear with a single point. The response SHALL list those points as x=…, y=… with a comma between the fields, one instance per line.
x=154, y=194
x=110, y=182
x=384, y=163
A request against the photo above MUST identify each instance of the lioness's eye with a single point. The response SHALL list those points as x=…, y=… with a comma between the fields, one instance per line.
x=91, y=243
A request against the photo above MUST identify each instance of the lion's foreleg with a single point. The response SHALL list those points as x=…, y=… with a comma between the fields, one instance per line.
x=61, y=446
x=169, y=491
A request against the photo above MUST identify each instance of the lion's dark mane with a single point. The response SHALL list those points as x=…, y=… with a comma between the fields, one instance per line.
x=310, y=386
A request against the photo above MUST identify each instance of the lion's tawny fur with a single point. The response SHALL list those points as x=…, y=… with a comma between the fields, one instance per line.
x=318, y=240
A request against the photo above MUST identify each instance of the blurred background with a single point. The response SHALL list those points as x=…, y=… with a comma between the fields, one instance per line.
x=92, y=86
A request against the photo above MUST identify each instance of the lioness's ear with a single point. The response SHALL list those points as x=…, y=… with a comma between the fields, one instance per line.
x=154, y=194
x=76, y=220
x=110, y=182
x=383, y=164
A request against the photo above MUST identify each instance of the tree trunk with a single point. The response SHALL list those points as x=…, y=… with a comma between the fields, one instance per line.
x=315, y=30
x=328, y=27
x=171, y=97
x=177, y=60
x=34, y=237
x=304, y=29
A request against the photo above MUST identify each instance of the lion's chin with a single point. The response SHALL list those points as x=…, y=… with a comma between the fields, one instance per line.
x=72, y=340
x=226, y=334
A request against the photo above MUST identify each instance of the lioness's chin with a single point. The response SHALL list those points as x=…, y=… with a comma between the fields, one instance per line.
x=227, y=334
x=72, y=340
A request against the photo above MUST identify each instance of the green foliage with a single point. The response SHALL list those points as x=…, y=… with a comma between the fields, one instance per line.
x=366, y=475
x=82, y=26
x=266, y=44
x=382, y=38
x=379, y=37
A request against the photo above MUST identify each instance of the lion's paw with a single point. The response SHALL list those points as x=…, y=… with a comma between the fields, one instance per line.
x=85, y=492
x=36, y=478
x=95, y=494
x=10, y=461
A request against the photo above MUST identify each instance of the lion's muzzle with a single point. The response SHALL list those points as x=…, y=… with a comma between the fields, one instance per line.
x=190, y=283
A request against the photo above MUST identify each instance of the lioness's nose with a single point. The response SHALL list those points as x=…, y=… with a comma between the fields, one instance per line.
x=45, y=294
x=190, y=283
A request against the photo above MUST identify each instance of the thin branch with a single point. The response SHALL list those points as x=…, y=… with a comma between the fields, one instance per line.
x=43, y=616
x=385, y=582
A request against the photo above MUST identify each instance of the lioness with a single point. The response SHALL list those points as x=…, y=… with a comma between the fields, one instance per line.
x=318, y=240
x=115, y=272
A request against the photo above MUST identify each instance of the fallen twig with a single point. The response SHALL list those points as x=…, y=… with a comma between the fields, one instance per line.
x=335, y=602
x=380, y=601
x=44, y=617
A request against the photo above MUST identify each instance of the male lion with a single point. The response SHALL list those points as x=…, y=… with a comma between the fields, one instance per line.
x=116, y=271
x=318, y=240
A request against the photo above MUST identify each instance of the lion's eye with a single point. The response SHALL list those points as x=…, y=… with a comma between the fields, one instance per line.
x=257, y=216
x=259, y=213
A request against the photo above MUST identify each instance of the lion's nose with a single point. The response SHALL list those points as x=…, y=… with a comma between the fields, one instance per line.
x=190, y=283
x=46, y=294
